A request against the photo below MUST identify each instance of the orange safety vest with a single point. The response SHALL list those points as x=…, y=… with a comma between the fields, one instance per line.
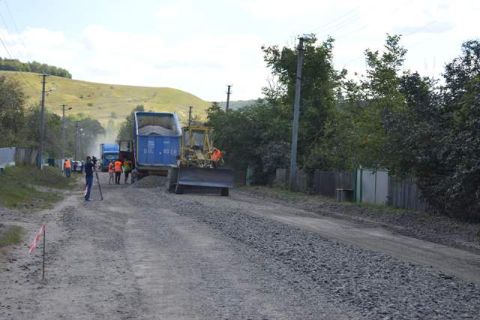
x=67, y=165
x=118, y=166
x=216, y=155
x=111, y=167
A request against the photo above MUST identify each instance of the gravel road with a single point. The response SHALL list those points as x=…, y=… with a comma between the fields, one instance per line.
x=143, y=253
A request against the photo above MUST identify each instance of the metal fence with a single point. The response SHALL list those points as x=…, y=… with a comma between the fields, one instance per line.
x=373, y=186
x=17, y=156
x=7, y=157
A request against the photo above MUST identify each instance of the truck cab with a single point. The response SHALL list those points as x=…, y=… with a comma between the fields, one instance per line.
x=108, y=152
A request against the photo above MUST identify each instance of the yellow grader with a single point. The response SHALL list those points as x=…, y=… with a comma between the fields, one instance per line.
x=200, y=163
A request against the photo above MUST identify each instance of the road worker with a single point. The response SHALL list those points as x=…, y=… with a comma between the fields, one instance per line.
x=216, y=157
x=111, y=172
x=67, y=167
x=118, y=170
x=127, y=168
x=89, y=168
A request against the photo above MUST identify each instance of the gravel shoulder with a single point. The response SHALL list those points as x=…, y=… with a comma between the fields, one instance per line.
x=421, y=225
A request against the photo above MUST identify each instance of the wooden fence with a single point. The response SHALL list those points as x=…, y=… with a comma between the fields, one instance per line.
x=405, y=194
x=25, y=156
x=326, y=182
x=369, y=186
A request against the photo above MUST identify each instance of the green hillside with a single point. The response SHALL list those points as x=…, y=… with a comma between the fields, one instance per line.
x=106, y=102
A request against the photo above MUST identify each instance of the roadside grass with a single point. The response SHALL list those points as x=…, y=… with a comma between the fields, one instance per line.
x=12, y=235
x=23, y=187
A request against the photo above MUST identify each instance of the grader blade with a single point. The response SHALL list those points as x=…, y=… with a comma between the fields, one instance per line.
x=205, y=177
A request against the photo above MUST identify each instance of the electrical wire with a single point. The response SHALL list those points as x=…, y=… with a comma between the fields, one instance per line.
x=22, y=76
x=338, y=20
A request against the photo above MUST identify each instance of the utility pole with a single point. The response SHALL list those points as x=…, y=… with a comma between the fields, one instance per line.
x=42, y=123
x=296, y=115
x=190, y=116
x=76, y=141
x=63, y=129
x=228, y=97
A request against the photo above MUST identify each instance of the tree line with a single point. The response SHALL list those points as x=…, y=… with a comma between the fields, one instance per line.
x=20, y=125
x=390, y=118
x=36, y=67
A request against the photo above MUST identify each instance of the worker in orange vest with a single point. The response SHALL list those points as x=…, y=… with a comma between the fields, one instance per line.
x=111, y=172
x=118, y=170
x=67, y=166
x=216, y=157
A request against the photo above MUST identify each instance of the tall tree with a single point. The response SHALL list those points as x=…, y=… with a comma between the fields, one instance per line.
x=12, y=101
x=320, y=81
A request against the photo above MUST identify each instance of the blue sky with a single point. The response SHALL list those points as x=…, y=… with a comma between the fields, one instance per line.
x=201, y=46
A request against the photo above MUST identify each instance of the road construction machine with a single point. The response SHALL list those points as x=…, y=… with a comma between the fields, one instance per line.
x=156, y=143
x=200, y=164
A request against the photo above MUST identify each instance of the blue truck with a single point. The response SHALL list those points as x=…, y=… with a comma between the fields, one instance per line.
x=156, y=143
x=108, y=152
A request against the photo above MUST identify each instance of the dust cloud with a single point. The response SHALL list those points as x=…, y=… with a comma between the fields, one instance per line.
x=111, y=131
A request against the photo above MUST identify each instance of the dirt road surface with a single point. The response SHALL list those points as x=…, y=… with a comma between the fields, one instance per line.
x=143, y=253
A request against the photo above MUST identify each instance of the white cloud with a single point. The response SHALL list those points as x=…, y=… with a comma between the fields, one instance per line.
x=188, y=48
x=200, y=65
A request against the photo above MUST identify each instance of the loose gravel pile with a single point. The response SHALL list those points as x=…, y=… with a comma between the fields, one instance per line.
x=380, y=286
x=156, y=130
x=427, y=226
x=151, y=182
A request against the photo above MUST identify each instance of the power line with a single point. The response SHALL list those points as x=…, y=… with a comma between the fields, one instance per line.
x=336, y=20
x=15, y=27
x=25, y=80
x=11, y=57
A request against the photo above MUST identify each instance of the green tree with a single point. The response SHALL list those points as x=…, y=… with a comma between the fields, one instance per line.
x=358, y=132
x=252, y=136
x=437, y=138
x=12, y=101
x=320, y=81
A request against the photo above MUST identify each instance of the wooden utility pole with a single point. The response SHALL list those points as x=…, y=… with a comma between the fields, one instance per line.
x=190, y=116
x=228, y=97
x=63, y=130
x=42, y=124
x=296, y=114
x=76, y=141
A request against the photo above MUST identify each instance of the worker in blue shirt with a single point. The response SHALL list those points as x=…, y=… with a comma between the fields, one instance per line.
x=89, y=167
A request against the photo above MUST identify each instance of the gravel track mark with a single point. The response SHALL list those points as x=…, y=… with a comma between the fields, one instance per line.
x=379, y=285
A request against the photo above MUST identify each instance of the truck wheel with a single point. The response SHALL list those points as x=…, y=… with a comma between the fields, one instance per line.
x=224, y=192
x=133, y=178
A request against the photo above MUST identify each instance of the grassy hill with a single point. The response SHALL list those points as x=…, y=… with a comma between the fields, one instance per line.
x=106, y=102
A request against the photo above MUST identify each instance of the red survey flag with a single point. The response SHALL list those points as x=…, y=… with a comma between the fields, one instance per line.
x=36, y=240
